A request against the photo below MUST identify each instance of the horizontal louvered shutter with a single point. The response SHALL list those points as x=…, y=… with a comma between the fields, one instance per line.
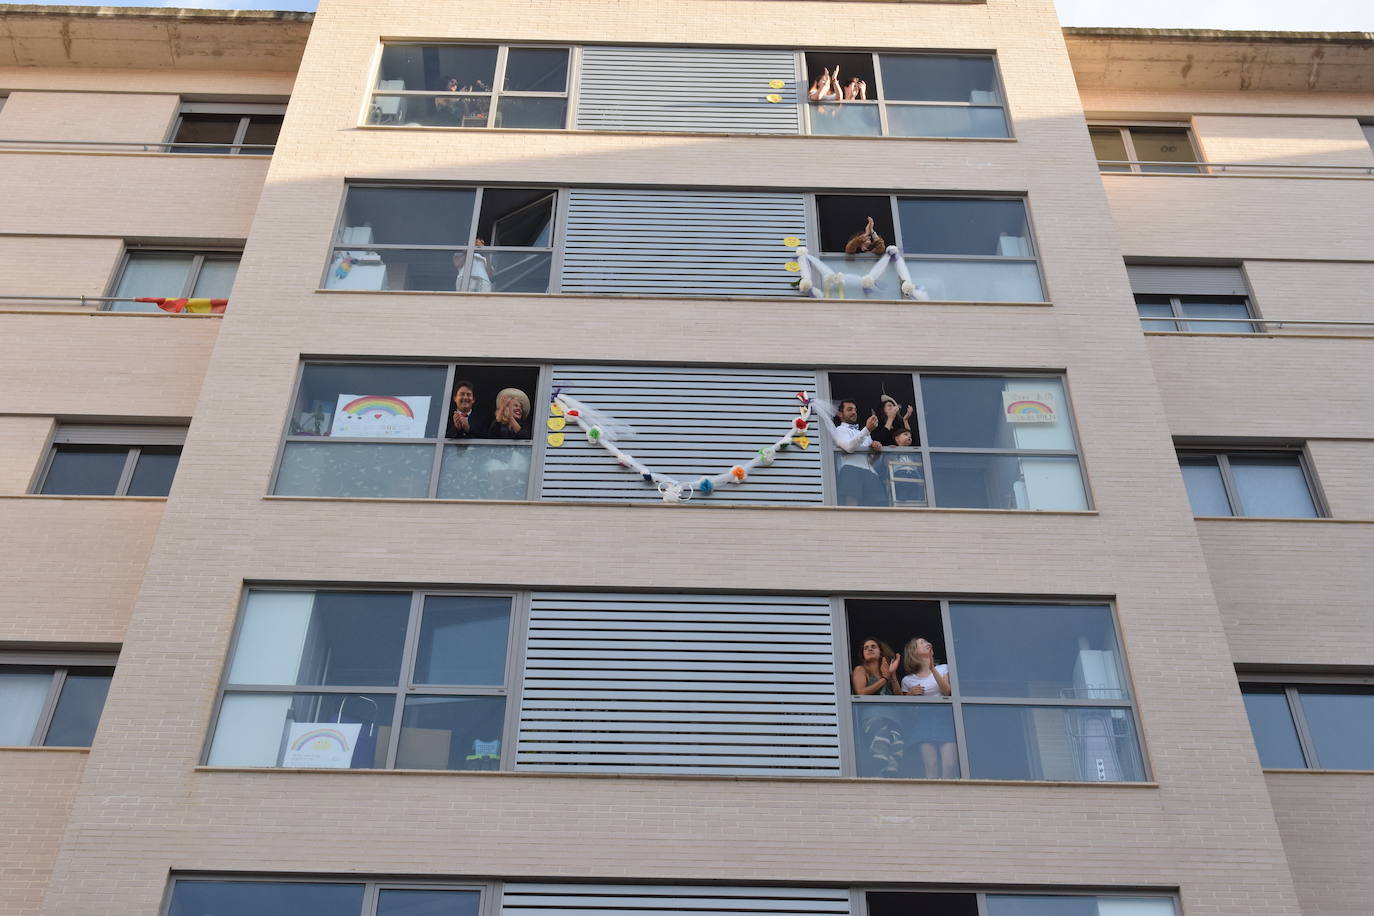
x=696, y=90
x=690, y=243
x=688, y=424
x=659, y=683
x=110, y=434
x=655, y=899
x=1187, y=281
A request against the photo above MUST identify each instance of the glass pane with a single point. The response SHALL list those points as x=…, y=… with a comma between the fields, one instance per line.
x=1221, y=307
x=845, y=119
x=463, y=641
x=536, y=70
x=1206, y=491
x=78, y=709
x=207, y=129
x=492, y=471
x=976, y=281
x=216, y=278
x=1272, y=486
x=911, y=739
x=892, y=477
x=1056, y=651
x=1163, y=144
x=1109, y=146
x=510, y=272
x=407, y=216
x=1339, y=723
x=434, y=67
x=1007, y=482
x=326, y=638
x=427, y=903
x=1276, y=738
x=22, y=695
x=517, y=217
x=935, y=225
x=85, y=470
x=532, y=112
x=991, y=411
x=391, y=402
x=1146, y=308
x=451, y=733
x=395, y=268
x=1045, y=905
x=847, y=280
x=355, y=469
x=153, y=275
x=264, y=898
x=1075, y=744
x=456, y=110
x=937, y=121
x=318, y=730
x=157, y=465
x=939, y=78
x=262, y=130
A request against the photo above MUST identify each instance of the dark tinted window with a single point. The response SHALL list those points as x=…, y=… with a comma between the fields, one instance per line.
x=78, y=709
x=153, y=473
x=1272, y=724
x=85, y=470
x=932, y=225
x=253, y=898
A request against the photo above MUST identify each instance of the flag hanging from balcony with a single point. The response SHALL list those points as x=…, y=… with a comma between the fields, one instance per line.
x=191, y=306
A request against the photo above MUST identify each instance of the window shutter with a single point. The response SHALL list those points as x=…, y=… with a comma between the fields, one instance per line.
x=690, y=243
x=688, y=424
x=642, y=899
x=1187, y=281
x=660, y=683
x=697, y=90
x=108, y=434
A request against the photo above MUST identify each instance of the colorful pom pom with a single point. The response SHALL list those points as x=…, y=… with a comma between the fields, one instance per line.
x=801, y=442
x=737, y=472
x=648, y=478
x=705, y=486
x=767, y=455
x=594, y=433
x=573, y=413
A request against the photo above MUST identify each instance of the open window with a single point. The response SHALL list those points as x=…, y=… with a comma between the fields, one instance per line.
x=895, y=475
x=226, y=128
x=472, y=86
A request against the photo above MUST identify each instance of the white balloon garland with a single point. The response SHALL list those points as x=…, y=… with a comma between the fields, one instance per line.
x=819, y=281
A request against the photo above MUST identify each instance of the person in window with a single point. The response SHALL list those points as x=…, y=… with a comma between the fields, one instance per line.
x=880, y=735
x=856, y=90
x=464, y=423
x=512, y=413
x=876, y=673
x=450, y=110
x=866, y=242
x=934, y=732
x=826, y=88
x=892, y=422
x=479, y=280
x=858, y=482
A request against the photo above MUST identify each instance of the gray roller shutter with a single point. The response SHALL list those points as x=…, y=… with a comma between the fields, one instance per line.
x=691, y=243
x=697, y=90
x=110, y=434
x=659, y=683
x=657, y=899
x=688, y=423
x=1187, y=281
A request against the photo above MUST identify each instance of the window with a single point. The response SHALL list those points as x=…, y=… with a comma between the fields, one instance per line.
x=462, y=85
x=1216, y=299
x=961, y=249
x=1144, y=148
x=904, y=95
x=172, y=275
x=339, y=679
x=57, y=704
x=200, y=897
x=384, y=430
x=112, y=461
x=977, y=442
x=1366, y=126
x=1261, y=483
x=1317, y=726
x=1039, y=903
x=213, y=127
x=480, y=240
x=1005, y=691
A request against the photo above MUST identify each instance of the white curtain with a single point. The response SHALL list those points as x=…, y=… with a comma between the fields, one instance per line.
x=250, y=730
x=272, y=638
x=1135, y=906
x=152, y=275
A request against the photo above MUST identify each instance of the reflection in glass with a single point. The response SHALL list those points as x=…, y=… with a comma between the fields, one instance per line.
x=355, y=469
x=941, y=121
x=451, y=733
x=938, y=225
x=939, y=78
x=1164, y=145
x=157, y=465
x=536, y=70
x=263, y=130
x=1272, y=486
x=1339, y=725
x=976, y=281
x=317, y=730
x=264, y=898
x=1055, y=651
x=485, y=471
x=399, y=902
x=22, y=697
x=85, y=470
x=966, y=481
x=510, y=272
x=1076, y=905
x=216, y=278
x=1152, y=307
x=326, y=389
x=78, y=710
x=1276, y=738
x=905, y=739
x=1220, y=307
x=1075, y=743
x=407, y=216
x=395, y=269
x=1109, y=146
x=531, y=112
x=463, y=641
x=1206, y=491
x=152, y=275
x=892, y=477
x=324, y=638
x=845, y=119
x=970, y=411
x=432, y=67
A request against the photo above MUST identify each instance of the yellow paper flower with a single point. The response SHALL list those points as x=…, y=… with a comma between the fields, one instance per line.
x=792, y=266
x=792, y=241
x=555, y=439
x=557, y=423
x=801, y=442
x=774, y=98
x=776, y=84
x=556, y=409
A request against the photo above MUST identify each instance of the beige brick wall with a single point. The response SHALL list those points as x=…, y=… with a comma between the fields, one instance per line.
x=248, y=85
x=1282, y=141
x=55, y=265
x=36, y=791
x=1328, y=844
x=88, y=116
x=1335, y=291
x=1174, y=104
x=23, y=447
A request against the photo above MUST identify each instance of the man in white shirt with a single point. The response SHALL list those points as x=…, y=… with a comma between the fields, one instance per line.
x=859, y=484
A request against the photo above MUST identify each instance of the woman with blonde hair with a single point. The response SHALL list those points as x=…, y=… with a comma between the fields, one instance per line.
x=934, y=727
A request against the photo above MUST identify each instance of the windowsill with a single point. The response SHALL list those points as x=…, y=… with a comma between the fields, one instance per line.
x=661, y=506
x=85, y=498
x=723, y=298
x=1276, y=174
x=1282, y=518
x=42, y=749
x=671, y=133
x=93, y=312
x=1295, y=333
x=709, y=777
x=250, y=157
x=1306, y=771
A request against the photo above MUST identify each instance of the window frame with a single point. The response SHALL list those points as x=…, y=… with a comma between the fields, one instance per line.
x=1222, y=456
x=511, y=689
x=134, y=451
x=61, y=664
x=1178, y=316
x=859, y=893
x=1292, y=688
x=198, y=258
x=1132, y=165
x=493, y=97
x=246, y=111
x=847, y=701
x=555, y=248
x=488, y=901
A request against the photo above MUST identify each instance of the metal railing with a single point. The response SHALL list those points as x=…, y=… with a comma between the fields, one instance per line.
x=83, y=301
x=1260, y=325
x=1235, y=168
x=245, y=149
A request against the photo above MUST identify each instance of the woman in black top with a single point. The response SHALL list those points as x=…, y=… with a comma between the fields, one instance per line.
x=891, y=422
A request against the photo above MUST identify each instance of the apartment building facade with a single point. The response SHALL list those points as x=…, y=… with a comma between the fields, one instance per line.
x=426, y=498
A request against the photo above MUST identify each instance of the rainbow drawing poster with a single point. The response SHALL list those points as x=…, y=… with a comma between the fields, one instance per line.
x=381, y=416
x=321, y=744
x=1029, y=406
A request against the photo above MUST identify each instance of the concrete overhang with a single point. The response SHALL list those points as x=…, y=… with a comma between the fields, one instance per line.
x=152, y=38
x=1198, y=59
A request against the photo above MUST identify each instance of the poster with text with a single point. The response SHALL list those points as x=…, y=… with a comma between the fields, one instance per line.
x=1029, y=406
x=321, y=744
x=381, y=416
